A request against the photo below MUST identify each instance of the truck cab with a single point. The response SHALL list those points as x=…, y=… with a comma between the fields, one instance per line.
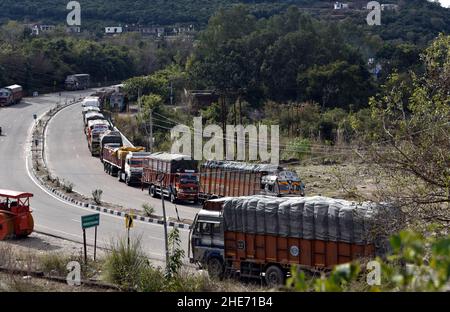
x=94, y=130
x=282, y=184
x=5, y=97
x=134, y=167
x=206, y=247
x=186, y=185
x=11, y=95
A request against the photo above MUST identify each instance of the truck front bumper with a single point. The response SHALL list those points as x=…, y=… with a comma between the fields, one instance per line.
x=136, y=177
x=187, y=196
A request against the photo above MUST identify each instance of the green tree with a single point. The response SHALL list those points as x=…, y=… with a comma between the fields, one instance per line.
x=415, y=136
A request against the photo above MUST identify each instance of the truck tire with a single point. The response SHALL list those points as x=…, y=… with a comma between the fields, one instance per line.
x=274, y=276
x=173, y=198
x=152, y=191
x=127, y=180
x=119, y=176
x=215, y=268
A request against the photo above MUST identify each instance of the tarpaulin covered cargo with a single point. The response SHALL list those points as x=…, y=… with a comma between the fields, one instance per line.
x=170, y=163
x=122, y=152
x=241, y=166
x=312, y=218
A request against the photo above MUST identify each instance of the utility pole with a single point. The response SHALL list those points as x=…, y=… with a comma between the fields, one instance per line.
x=164, y=222
x=139, y=99
x=171, y=93
x=151, y=132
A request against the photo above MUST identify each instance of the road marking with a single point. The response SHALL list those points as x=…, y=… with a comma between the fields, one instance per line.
x=77, y=221
x=27, y=155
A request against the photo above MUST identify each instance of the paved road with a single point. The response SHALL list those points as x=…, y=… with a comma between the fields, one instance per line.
x=51, y=214
x=68, y=158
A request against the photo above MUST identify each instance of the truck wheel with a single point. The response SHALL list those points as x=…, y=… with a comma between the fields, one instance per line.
x=127, y=180
x=274, y=276
x=152, y=191
x=215, y=268
x=119, y=176
x=173, y=198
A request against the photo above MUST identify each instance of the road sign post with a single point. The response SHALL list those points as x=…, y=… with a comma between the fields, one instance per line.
x=129, y=223
x=87, y=222
x=166, y=244
x=95, y=244
x=84, y=245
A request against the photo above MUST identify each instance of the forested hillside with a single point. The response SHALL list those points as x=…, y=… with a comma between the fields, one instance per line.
x=417, y=20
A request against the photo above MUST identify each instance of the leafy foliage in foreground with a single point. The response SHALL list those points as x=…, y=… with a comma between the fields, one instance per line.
x=417, y=263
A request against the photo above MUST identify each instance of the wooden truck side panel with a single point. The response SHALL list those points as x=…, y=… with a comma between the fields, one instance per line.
x=153, y=168
x=108, y=155
x=265, y=249
x=223, y=183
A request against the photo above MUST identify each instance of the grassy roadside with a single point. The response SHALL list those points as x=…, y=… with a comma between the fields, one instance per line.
x=26, y=269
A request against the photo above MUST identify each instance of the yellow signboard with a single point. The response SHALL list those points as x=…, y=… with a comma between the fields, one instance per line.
x=129, y=221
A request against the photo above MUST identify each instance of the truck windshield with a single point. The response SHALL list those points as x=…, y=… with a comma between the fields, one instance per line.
x=188, y=178
x=136, y=162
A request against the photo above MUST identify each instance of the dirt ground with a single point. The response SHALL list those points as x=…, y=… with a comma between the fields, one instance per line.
x=42, y=244
x=337, y=181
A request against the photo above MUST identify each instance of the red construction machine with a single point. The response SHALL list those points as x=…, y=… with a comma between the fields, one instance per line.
x=15, y=214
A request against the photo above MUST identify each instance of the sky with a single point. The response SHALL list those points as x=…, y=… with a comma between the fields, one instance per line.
x=445, y=3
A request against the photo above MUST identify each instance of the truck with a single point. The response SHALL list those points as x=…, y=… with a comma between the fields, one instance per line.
x=11, y=95
x=231, y=178
x=90, y=109
x=16, y=219
x=94, y=101
x=174, y=176
x=263, y=236
x=92, y=116
x=94, y=131
x=125, y=163
x=77, y=82
x=110, y=137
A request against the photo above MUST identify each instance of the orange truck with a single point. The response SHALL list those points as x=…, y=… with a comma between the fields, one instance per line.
x=262, y=236
x=15, y=214
x=171, y=175
x=231, y=178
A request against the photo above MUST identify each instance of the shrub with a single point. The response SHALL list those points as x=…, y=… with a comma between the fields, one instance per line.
x=54, y=264
x=149, y=210
x=67, y=186
x=97, y=196
x=297, y=148
x=152, y=280
x=126, y=265
x=417, y=263
x=176, y=253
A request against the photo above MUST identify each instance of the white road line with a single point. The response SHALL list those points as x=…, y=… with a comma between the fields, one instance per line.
x=27, y=154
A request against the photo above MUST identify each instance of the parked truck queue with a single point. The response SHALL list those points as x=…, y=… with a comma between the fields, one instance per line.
x=179, y=178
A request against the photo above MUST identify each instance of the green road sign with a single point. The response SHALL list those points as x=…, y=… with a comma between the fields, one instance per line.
x=90, y=221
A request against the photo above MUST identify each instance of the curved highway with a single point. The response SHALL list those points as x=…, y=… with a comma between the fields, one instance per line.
x=68, y=158
x=52, y=215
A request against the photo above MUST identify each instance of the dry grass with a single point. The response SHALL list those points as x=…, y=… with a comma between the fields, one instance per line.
x=347, y=181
